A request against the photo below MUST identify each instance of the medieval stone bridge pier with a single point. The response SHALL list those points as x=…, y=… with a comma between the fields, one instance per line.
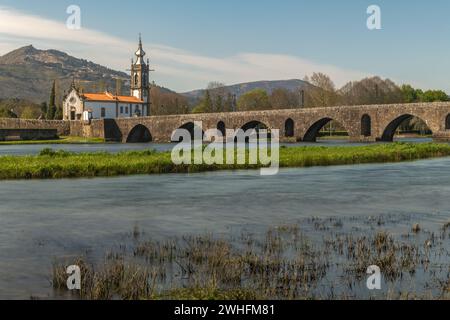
x=363, y=123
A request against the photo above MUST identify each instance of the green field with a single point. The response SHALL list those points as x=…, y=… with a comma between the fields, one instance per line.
x=51, y=164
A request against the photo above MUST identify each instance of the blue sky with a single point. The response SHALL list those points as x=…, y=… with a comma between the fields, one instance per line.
x=192, y=42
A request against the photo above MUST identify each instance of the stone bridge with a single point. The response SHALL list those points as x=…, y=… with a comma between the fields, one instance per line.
x=363, y=123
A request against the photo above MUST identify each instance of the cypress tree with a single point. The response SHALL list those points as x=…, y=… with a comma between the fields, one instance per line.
x=51, y=111
x=208, y=105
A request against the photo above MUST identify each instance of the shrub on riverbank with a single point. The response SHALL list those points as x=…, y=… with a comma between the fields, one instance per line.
x=61, y=164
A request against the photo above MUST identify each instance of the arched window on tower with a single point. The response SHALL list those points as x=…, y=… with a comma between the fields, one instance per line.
x=136, y=79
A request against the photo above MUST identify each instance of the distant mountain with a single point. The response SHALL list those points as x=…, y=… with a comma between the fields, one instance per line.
x=28, y=73
x=242, y=88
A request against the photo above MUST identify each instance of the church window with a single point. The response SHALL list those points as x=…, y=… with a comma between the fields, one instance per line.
x=136, y=79
x=103, y=112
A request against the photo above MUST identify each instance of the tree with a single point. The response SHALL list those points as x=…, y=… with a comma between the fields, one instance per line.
x=52, y=103
x=372, y=90
x=6, y=113
x=433, y=96
x=409, y=94
x=165, y=102
x=283, y=99
x=205, y=105
x=228, y=105
x=29, y=113
x=44, y=109
x=218, y=104
x=323, y=94
x=256, y=99
x=218, y=92
x=417, y=95
x=59, y=114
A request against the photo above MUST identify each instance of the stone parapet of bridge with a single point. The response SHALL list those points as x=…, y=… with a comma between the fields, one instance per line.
x=62, y=127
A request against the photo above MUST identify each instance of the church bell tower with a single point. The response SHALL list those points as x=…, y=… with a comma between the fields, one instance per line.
x=140, y=83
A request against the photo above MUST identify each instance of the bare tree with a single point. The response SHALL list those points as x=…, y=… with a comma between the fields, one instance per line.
x=323, y=94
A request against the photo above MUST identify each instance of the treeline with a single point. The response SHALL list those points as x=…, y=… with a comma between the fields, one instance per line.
x=321, y=92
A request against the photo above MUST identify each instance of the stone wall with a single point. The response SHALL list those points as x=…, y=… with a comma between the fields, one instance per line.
x=62, y=127
x=28, y=134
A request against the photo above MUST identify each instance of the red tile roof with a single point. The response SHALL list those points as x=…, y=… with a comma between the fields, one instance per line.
x=108, y=97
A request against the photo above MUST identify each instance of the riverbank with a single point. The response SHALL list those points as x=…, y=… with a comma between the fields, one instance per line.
x=50, y=164
x=61, y=140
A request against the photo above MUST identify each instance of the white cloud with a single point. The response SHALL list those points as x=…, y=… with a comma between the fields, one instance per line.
x=177, y=69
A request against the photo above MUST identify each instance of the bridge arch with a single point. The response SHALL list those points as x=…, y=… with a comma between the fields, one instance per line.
x=289, y=128
x=313, y=131
x=191, y=127
x=257, y=126
x=222, y=128
x=391, y=128
x=139, y=134
x=447, y=122
x=254, y=124
x=366, y=125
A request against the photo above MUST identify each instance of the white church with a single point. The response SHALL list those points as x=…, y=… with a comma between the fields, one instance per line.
x=79, y=105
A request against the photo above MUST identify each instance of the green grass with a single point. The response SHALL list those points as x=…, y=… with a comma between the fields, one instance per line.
x=61, y=164
x=62, y=140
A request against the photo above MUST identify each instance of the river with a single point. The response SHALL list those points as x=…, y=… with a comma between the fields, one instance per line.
x=41, y=221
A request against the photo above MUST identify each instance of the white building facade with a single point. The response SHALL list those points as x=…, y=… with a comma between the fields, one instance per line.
x=78, y=105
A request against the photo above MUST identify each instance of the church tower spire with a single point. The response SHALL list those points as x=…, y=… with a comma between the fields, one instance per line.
x=140, y=71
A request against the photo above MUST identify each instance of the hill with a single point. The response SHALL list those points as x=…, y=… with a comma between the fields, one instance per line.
x=242, y=88
x=27, y=73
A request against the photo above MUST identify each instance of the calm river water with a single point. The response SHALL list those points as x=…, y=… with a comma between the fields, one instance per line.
x=44, y=220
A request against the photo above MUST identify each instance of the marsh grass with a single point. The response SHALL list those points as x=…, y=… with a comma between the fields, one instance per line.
x=286, y=263
x=51, y=164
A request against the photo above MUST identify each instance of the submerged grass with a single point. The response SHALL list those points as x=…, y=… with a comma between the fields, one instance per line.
x=51, y=164
x=288, y=262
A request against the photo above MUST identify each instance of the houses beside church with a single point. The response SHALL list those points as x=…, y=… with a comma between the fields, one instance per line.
x=79, y=105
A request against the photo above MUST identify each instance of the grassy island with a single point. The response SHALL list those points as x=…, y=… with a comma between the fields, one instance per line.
x=50, y=164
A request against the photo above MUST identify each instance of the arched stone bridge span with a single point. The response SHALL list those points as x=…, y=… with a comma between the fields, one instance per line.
x=363, y=123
